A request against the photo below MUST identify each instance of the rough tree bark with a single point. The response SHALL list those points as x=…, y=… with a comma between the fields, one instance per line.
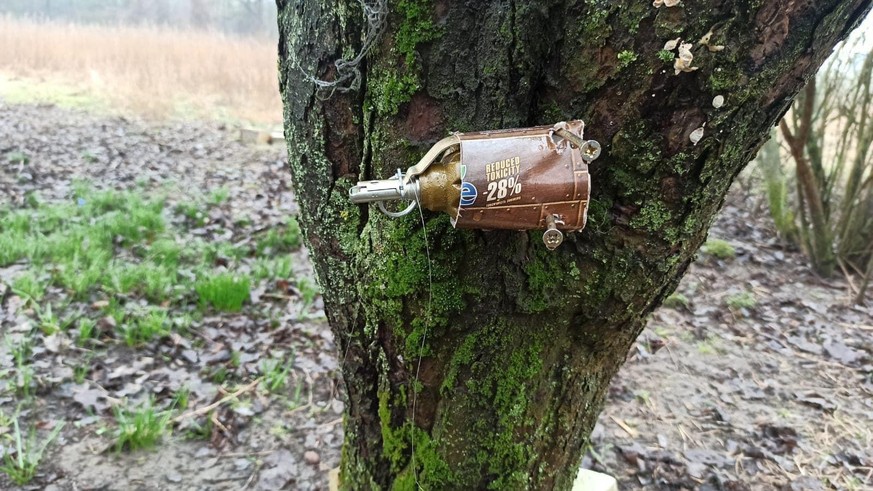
x=521, y=343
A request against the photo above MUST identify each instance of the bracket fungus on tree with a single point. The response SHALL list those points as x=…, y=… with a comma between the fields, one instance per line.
x=683, y=60
x=697, y=135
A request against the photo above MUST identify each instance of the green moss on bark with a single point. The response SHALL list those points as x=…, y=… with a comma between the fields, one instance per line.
x=430, y=469
x=504, y=446
x=398, y=266
x=655, y=217
x=394, y=84
x=549, y=276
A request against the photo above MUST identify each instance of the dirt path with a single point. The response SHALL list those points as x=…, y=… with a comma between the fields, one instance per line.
x=758, y=378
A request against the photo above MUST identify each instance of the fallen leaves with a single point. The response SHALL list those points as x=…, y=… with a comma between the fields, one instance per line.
x=745, y=399
x=817, y=401
x=779, y=440
x=57, y=342
x=91, y=399
x=842, y=353
x=280, y=471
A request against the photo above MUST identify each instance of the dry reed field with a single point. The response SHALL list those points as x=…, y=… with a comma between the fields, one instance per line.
x=152, y=71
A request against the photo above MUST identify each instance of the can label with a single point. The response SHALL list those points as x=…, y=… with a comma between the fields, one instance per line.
x=514, y=179
x=469, y=193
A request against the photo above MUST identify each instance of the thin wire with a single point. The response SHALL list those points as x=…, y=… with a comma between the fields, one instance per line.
x=343, y=362
x=348, y=76
x=424, y=334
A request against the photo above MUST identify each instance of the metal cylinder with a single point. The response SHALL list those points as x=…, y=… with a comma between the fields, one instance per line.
x=515, y=179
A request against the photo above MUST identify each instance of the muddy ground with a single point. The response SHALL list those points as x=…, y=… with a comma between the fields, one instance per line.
x=758, y=376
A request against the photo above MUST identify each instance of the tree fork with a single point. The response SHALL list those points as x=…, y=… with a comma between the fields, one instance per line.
x=518, y=344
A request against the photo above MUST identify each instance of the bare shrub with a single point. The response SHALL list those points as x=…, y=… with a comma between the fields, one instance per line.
x=828, y=137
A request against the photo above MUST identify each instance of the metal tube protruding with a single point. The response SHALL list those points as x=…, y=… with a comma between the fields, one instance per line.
x=395, y=188
x=373, y=191
x=553, y=237
x=381, y=190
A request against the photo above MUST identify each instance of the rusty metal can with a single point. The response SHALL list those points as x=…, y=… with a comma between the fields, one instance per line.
x=515, y=179
x=518, y=179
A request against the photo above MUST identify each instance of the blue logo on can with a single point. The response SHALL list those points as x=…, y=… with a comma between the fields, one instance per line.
x=468, y=194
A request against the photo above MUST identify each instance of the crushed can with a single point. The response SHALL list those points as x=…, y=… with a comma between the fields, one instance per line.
x=516, y=179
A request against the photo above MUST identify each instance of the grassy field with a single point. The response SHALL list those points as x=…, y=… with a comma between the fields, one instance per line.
x=119, y=243
x=153, y=71
x=120, y=268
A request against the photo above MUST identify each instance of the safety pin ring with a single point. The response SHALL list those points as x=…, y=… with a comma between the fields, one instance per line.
x=396, y=214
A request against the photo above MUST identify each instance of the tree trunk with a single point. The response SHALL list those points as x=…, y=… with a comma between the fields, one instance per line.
x=518, y=344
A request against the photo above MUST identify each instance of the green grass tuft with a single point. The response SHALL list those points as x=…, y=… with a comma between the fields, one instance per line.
x=194, y=213
x=155, y=324
x=676, y=301
x=19, y=158
x=30, y=285
x=216, y=252
x=275, y=372
x=89, y=157
x=308, y=291
x=28, y=453
x=719, y=248
x=742, y=300
x=223, y=291
x=141, y=427
x=154, y=281
x=281, y=239
x=50, y=322
x=21, y=353
x=165, y=252
x=279, y=268
x=218, y=196
x=87, y=331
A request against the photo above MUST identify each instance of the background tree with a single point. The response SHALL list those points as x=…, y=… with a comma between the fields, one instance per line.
x=829, y=136
x=518, y=344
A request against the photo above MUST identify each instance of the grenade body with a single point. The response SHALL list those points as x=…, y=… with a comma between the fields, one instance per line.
x=515, y=179
x=518, y=179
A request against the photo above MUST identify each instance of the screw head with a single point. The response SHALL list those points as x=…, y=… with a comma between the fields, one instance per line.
x=552, y=238
x=590, y=150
